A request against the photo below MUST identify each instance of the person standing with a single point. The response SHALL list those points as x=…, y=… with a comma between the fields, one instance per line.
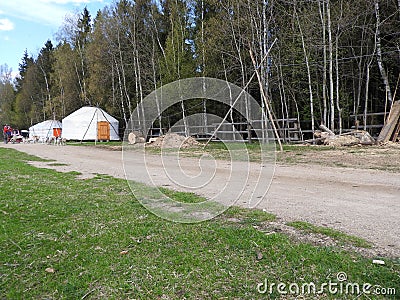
x=8, y=133
x=5, y=134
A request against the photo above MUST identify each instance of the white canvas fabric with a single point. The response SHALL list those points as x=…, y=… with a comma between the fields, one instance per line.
x=44, y=130
x=82, y=124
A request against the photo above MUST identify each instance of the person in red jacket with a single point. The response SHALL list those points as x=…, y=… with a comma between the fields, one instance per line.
x=7, y=131
x=5, y=134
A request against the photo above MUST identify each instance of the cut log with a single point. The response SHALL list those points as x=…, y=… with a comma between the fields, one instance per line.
x=326, y=129
x=391, y=123
x=135, y=137
x=357, y=137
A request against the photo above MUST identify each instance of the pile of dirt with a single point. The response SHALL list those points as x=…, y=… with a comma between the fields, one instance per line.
x=173, y=140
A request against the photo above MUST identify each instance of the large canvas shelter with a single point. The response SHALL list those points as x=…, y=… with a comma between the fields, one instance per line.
x=46, y=129
x=90, y=123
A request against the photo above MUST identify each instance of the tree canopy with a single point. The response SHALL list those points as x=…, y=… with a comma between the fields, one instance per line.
x=321, y=61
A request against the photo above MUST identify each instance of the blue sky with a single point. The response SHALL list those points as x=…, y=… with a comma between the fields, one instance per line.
x=28, y=24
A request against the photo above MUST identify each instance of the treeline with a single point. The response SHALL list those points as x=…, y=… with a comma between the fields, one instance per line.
x=320, y=61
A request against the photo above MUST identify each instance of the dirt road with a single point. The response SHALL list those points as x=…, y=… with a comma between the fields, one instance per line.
x=365, y=203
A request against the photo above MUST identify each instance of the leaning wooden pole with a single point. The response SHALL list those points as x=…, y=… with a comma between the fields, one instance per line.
x=391, y=127
x=237, y=98
x=391, y=123
x=264, y=96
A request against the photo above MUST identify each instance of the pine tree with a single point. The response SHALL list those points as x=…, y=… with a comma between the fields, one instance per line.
x=25, y=63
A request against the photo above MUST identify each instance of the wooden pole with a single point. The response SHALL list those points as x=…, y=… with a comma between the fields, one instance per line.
x=238, y=97
x=264, y=96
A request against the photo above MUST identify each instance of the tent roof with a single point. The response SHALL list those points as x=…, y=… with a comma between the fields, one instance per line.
x=47, y=124
x=83, y=124
x=89, y=112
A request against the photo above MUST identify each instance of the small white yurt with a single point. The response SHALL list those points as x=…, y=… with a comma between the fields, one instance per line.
x=46, y=129
x=90, y=123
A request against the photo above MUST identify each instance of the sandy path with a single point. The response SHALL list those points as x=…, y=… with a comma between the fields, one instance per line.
x=365, y=203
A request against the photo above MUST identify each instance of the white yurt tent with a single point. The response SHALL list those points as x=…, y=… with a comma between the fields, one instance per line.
x=90, y=123
x=46, y=129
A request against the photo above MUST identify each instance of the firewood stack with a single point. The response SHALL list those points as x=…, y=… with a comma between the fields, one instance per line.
x=391, y=130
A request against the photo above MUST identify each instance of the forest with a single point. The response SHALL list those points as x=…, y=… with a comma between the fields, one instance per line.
x=330, y=62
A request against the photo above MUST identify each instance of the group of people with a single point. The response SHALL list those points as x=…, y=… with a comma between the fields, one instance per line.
x=7, y=133
x=11, y=135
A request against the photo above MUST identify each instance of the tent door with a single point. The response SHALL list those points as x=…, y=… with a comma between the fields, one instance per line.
x=103, y=131
x=56, y=132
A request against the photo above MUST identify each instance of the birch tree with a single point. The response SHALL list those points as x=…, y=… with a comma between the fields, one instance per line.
x=308, y=72
x=382, y=69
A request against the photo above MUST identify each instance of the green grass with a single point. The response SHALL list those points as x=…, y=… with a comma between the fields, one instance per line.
x=336, y=234
x=307, y=148
x=182, y=196
x=102, y=244
x=246, y=216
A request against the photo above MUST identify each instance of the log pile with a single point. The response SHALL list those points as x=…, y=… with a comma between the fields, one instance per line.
x=356, y=137
x=391, y=130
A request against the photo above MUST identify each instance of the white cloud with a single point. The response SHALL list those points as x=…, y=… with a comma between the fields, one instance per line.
x=49, y=12
x=6, y=25
x=68, y=1
x=34, y=11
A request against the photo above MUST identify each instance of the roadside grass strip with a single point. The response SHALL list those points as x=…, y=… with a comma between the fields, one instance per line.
x=336, y=234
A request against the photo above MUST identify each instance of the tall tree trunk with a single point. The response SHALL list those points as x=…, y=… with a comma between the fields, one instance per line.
x=62, y=97
x=264, y=98
x=203, y=70
x=324, y=79
x=337, y=69
x=361, y=64
x=398, y=8
x=238, y=49
x=133, y=41
x=371, y=59
x=337, y=89
x=153, y=63
x=265, y=40
x=331, y=84
x=48, y=94
x=308, y=74
x=139, y=80
x=182, y=50
x=285, y=110
x=366, y=98
x=80, y=82
x=83, y=73
x=121, y=92
x=359, y=86
x=379, y=54
x=230, y=98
